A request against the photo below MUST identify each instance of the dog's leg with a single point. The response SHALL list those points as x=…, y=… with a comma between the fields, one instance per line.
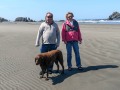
x=60, y=59
x=56, y=62
x=63, y=69
x=61, y=63
x=47, y=75
x=42, y=72
x=42, y=75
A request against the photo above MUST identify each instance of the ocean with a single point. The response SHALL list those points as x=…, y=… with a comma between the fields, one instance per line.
x=99, y=21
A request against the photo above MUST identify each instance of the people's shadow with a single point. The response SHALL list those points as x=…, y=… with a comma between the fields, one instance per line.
x=61, y=77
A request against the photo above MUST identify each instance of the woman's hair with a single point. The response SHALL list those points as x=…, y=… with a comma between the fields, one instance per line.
x=69, y=13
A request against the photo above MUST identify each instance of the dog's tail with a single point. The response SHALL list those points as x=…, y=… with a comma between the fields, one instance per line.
x=60, y=57
x=61, y=61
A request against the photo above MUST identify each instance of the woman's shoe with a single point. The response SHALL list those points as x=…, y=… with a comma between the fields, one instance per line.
x=80, y=68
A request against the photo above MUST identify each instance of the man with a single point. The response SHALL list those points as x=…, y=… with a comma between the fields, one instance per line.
x=50, y=34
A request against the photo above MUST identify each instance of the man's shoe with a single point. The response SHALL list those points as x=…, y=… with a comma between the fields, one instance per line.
x=69, y=69
x=50, y=71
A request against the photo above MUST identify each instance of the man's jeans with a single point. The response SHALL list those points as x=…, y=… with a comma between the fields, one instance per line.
x=46, y=48
x=75, y=46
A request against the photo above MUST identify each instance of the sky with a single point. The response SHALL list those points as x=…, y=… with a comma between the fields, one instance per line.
x=36, y=9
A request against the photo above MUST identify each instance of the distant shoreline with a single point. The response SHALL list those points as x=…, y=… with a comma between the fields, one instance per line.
x=79, y=21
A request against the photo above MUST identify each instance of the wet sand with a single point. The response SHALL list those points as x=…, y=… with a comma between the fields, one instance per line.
x=100, y=57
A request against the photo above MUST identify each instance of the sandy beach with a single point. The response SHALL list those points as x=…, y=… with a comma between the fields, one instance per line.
x=100, y=57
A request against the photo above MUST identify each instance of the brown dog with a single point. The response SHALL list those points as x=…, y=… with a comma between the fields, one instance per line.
x=47, y=59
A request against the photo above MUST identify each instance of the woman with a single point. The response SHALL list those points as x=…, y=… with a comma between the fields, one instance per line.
x=71, y=36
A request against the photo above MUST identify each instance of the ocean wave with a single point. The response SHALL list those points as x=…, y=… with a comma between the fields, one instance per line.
x=100, y=21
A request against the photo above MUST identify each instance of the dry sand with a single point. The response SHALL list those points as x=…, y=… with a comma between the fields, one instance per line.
x=100, y=56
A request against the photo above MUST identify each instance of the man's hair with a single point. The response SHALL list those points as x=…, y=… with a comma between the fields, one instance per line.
x=49, y=13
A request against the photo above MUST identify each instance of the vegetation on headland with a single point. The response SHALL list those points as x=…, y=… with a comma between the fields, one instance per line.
x=23, y=19
x=3, y=19
x=113, y=16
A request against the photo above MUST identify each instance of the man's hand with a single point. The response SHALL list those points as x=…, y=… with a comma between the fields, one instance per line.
x=37, y=45
x=57, y=45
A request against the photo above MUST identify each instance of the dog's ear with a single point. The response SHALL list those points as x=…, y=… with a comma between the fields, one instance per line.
x=37, y=60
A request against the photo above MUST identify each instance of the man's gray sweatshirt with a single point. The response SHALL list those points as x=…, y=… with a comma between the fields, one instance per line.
x=50, y=34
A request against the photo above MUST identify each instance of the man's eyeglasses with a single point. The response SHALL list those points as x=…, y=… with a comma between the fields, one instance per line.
x=49, y=17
